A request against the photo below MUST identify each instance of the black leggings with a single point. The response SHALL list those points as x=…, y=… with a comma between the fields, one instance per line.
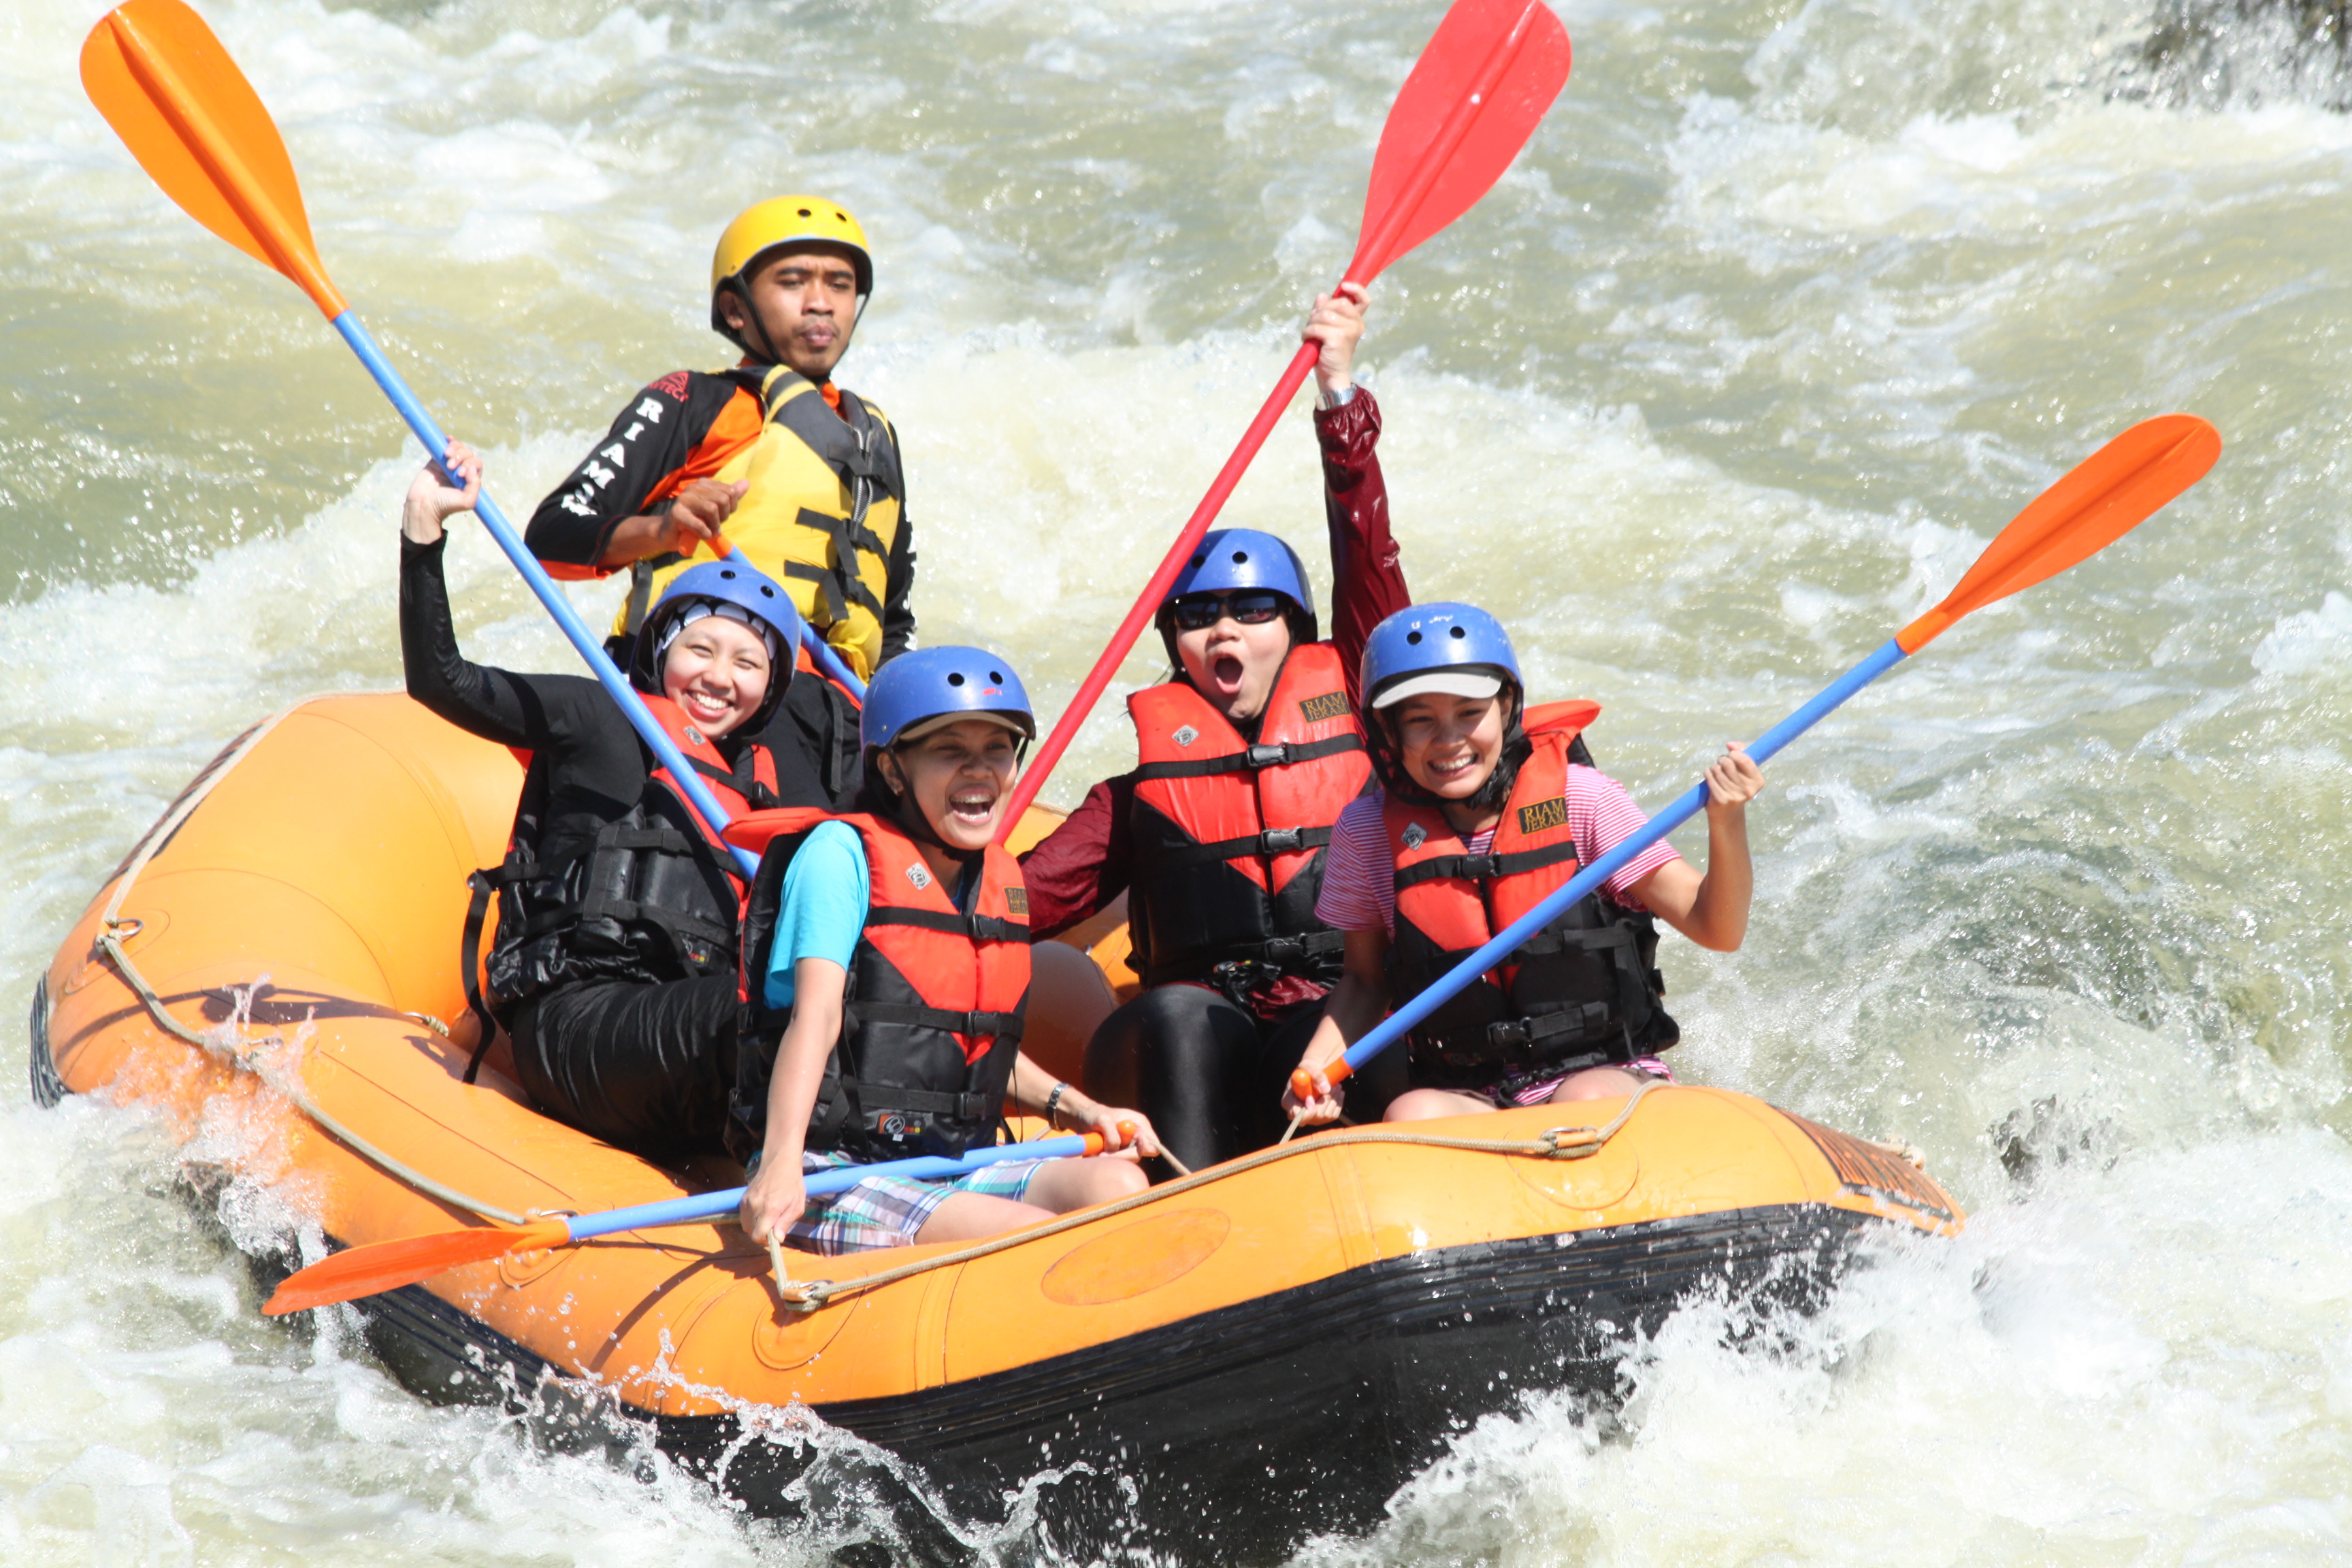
x=644, y=1067
x=1211, y=1075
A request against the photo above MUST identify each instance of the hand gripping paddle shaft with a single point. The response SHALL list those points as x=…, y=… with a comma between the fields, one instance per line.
x=370, y=1270
x=195, y=124
x=2111, y=492
x=1485, y=78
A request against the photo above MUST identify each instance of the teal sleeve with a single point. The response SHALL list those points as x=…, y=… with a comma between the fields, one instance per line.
x=822, y=912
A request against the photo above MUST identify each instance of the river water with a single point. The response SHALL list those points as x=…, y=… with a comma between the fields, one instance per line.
x=1786, y=310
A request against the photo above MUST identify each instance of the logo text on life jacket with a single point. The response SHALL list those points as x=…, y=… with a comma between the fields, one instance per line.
x=1543, y=815
x=1330, y=705
x=918, y=875
x=1017, y=900
x=1415, y=836
x=1185, y=736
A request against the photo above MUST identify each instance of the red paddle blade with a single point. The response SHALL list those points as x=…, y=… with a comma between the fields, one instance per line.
x=1490, y=71
x=388, y=1265
x=2108, y=494
x=195, y=124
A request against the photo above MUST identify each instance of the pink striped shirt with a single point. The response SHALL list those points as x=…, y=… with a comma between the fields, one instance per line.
x=1360, y=875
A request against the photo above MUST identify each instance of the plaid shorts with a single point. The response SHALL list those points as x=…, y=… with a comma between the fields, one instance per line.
x=887, y=1211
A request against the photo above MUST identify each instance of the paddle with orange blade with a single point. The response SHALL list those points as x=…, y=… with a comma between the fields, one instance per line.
x=2112, y=491
x=1483, y=82
x=383, y=1266
x=195, y=124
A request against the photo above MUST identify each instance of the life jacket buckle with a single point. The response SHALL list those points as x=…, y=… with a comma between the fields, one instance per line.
x=1481, y=867
x=1282, y=841
x=1263, y=756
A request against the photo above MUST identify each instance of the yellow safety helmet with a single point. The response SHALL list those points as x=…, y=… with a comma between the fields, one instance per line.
x=781, y=220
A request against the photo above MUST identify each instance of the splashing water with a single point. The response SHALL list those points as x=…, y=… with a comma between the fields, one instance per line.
x=1788, y=308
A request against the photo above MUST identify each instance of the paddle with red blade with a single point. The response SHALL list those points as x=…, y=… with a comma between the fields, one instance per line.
x=1485, y=78
x=382, y=1265
x=2105, y=496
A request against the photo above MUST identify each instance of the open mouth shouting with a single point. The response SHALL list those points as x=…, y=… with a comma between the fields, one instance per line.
x=973, y=805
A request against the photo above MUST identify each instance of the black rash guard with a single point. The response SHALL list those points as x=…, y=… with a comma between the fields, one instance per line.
x=595, y=765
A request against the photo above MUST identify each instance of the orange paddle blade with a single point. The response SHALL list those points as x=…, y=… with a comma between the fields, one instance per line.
x=2108, y=494
x=196, y=125
x=388, y=1265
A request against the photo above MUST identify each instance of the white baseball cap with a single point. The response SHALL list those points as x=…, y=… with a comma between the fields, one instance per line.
x=1473, y=683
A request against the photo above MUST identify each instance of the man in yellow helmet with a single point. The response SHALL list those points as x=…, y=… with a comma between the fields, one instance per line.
x=802, y=475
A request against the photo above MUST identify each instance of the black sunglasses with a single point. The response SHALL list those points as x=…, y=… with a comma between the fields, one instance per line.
x=1251, y=608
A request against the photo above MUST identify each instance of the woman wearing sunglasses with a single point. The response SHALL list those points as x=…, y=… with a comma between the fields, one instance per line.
x=1245, y=756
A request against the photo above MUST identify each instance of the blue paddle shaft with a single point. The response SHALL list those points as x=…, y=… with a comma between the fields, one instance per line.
x=1507, y=941
x=829, y=663
x=633, y=707
x=817, y=1183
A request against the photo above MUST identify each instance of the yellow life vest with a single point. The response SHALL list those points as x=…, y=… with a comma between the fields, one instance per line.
x=821, y=515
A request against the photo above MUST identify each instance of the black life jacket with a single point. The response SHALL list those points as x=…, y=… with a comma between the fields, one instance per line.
x=1230, y=837
x=652, y=898
x=931, y=1017
x=1583, y=992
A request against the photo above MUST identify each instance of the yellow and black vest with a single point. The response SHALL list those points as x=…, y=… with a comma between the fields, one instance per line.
x=823, y=511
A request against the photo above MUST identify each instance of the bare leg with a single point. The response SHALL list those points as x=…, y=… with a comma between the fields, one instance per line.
x=973, y=1216
x=1061, y=1187
x=1422, y=1104
x=1597, y=1083
x=1066, y=1184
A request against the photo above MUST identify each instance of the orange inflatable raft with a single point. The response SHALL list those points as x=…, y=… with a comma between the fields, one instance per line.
x=1267, y=1348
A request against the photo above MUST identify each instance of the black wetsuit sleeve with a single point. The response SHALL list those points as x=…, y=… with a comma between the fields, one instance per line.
x=654, y=438
x=531, y=712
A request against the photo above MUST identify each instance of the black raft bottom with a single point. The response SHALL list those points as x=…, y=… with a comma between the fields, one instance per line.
x=1231, y=1436
x=1226, y=1438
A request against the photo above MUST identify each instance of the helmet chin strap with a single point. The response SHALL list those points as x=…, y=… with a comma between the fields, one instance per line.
x=767, y=347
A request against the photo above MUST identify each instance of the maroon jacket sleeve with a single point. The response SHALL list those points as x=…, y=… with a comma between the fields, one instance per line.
x=1082, y=865
x=1367, y=581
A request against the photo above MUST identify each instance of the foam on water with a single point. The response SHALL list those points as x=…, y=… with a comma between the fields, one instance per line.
x=1784, y=313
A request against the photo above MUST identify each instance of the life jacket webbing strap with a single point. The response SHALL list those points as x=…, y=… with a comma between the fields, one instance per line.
x=1482, y=868
x=837, y=608
x=996, y=1026
x=871, y=1097
x=1252, y=758
x=1282, y=952
x=1508, y=1039
x=1272, y=841
x=979, y=928
x=469, y=964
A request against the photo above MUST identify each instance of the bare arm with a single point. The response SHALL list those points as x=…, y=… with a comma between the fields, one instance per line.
x=1358, y=1003
x=1712, y=910
x=775, y=1197
x=1077, y=1111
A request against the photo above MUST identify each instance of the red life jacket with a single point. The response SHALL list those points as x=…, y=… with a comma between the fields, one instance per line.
x=1230, y=835
x=931, y=1018
x=1581, y=992
x=652, y=898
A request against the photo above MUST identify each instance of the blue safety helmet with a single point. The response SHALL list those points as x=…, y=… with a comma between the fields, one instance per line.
x=1457, y=649
x=942, y=683
x=1235, y=558
x=729, y=582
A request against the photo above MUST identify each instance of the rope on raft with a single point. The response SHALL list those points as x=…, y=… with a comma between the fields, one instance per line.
x=221, y=1043
x=1551, y=1143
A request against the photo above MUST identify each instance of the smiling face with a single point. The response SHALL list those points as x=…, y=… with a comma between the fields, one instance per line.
x=806, y=305
x=958, y=777
x=717, y=672
x=1234, y=664
x=1449, y=745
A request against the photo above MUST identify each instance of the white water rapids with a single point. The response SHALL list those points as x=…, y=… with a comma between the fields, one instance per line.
x=1788, y=308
